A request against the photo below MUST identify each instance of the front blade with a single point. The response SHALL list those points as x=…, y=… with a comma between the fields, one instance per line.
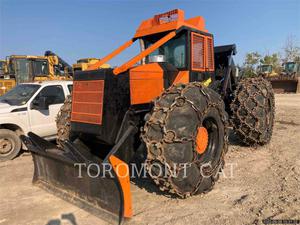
x=54, y=171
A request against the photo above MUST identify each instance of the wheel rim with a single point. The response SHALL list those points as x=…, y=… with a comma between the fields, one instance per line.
x=6, y=146
x=201, y=140
x=211, y=151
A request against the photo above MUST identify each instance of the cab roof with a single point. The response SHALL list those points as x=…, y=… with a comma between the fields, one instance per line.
x=169, y=21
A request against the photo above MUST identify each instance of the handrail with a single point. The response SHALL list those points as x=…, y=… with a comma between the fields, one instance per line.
x=111, y=55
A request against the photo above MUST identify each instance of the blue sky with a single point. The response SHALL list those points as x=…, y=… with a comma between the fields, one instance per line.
x=78, y=29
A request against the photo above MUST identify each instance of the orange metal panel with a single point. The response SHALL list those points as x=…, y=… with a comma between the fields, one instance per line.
x=198, y=52
x=122, y=171
x=182, y=77
x=202, y=53
x=87, y=101
x=146, y=83
x=169, y=21
x=210, y=61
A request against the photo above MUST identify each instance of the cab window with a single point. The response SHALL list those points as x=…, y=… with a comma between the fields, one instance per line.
x=54, y=95
x=174, y=51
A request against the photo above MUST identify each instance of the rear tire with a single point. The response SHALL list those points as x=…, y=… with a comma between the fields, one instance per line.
x=10, y=145
x=171, y=136
x=253, y=109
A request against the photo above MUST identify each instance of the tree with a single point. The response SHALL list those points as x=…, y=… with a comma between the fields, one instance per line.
x=251, y=61
x=291, y=50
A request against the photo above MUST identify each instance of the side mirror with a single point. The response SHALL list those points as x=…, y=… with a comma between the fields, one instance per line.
x=43, y=104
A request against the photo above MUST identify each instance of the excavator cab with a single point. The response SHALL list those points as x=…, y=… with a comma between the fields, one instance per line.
x=26, y=68
x=291, y=68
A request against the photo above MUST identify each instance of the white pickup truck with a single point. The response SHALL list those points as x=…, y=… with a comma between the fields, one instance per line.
x=30, y=107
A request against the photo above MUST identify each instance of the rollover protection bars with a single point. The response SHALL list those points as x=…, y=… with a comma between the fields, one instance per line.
x=135, y=59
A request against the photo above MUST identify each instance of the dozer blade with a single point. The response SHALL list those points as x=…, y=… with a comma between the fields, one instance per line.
x=285, y=85
x=106, y=195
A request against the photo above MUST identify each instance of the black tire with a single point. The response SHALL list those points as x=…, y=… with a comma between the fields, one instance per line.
x=10, y=145
x=170, y=135
x=253, y=109
x=63, y=122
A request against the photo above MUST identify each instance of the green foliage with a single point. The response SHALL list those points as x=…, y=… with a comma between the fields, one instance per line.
x=251, y=61
x=273, y=60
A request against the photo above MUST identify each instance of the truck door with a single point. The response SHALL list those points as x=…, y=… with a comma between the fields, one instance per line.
x=42, y=121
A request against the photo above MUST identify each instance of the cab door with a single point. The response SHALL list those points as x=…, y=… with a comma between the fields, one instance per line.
x=42, y=120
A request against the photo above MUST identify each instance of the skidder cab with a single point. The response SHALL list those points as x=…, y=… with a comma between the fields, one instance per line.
x=168, y=107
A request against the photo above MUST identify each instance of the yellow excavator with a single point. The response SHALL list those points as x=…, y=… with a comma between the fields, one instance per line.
x=26, y=68
x=83, y=64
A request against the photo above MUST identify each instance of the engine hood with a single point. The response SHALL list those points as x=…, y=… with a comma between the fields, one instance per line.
x=6, y=108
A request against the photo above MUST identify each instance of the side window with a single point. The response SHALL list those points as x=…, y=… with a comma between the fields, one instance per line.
x=54, y=94
x=70, y=87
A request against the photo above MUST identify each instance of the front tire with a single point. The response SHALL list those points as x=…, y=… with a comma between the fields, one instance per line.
x=186, y=133
x=10, y=145
x=253, y=109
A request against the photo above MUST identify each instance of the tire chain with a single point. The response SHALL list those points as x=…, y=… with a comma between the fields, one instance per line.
x=63, y=121
x=165, y=183
x=239, y=102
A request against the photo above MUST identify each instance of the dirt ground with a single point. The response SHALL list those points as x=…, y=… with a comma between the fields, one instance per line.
x=256, y=184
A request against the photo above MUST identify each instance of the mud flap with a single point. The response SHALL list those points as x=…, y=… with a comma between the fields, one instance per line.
x=97, y=191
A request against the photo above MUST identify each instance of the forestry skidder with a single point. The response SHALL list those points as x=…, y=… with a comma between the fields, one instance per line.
x=174, y=105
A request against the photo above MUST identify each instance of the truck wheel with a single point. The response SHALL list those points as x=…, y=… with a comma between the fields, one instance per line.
x=253, y=109
x=63, y=122
x=186, y=139
x=10, y=144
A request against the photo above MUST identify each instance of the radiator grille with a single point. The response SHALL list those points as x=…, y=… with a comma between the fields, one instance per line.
x=87, y=101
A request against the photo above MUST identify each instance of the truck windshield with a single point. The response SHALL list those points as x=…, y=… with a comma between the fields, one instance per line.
x=20, y=94
x=174, y=50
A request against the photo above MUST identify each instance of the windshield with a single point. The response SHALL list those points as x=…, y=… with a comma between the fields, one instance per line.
x=21, y=69
x=20, y=94
x=2, y=65
x=83, y=61
x=174, y=50
x=289, y=67
x=266, y=68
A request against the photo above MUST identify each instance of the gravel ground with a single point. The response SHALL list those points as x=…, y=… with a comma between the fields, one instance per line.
x=257, y=183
